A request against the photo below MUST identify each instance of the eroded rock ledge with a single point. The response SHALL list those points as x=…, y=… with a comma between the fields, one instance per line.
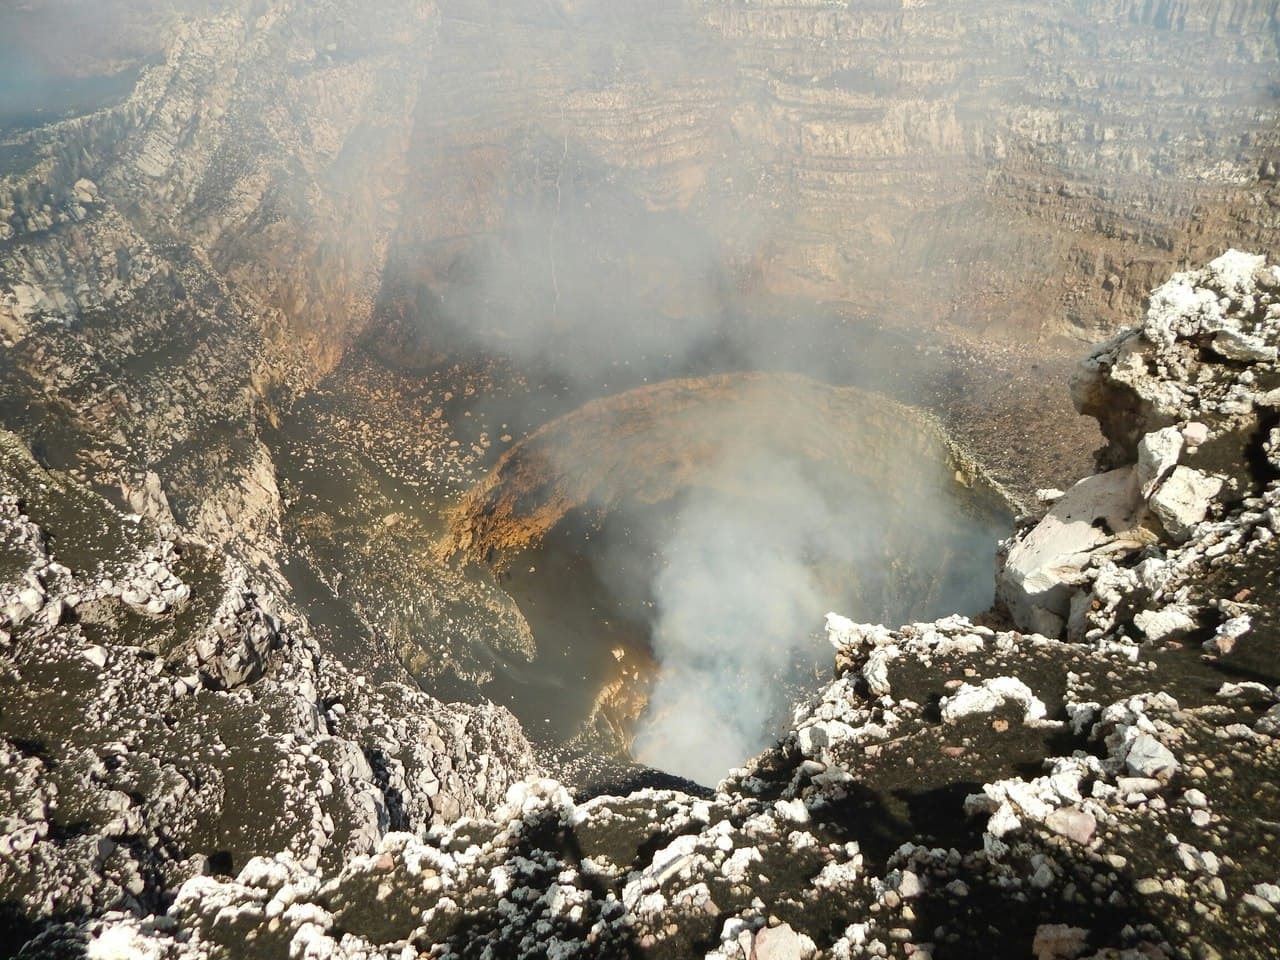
x=167, y=715
x=955, y=790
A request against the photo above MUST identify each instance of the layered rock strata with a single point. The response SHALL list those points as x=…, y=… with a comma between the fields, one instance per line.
x=172, y=266
x=287, y=178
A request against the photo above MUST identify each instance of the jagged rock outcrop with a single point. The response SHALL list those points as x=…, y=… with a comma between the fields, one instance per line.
x=189, y=764
x=956, y=790
x=167, y=715
x=1189, y=402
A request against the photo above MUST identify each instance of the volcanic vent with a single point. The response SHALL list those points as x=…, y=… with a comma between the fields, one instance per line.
x=673, y=546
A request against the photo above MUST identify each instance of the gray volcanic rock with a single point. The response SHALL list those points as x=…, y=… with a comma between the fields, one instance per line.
x=1160, y=374
x=128, y=763
x=1183, y=499
x=1154, y=390
x=202, y=753
x=955, y=790
x=1099, y=516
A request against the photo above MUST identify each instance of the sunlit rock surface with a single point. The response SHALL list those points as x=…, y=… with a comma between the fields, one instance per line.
x=1196, y=417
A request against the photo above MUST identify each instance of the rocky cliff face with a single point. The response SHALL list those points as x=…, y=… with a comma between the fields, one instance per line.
x=243, y=297
x=173, y=262
x=1015, y=162
x=824, y=149
x=284, y=180
x=956, y=790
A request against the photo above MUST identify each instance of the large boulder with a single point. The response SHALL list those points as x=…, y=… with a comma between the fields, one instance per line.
x=1044, y=569
x=1187, y=403
x=1183, y=500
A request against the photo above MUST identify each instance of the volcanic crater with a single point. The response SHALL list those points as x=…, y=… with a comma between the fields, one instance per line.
x=672, y=547
x=367, y=370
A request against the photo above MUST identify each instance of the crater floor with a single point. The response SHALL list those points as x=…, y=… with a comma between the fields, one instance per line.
x=672, y=546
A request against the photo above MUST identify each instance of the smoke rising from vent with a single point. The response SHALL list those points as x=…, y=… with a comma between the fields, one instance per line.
x=758, y=554
x=584, y=277
x=737, y=597
x=732, y=513
x=670, y=188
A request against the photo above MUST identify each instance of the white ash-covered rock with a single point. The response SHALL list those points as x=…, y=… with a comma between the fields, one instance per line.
x=1188, y=425
x=131, y=763
x=957, y=789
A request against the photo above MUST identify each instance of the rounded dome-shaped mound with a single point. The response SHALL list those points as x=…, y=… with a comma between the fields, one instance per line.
x=717, y=520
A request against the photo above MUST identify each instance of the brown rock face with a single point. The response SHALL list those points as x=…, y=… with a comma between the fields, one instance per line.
x=827, y=151
x=520, y=177
x=649, y=445
x=1021, y=169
